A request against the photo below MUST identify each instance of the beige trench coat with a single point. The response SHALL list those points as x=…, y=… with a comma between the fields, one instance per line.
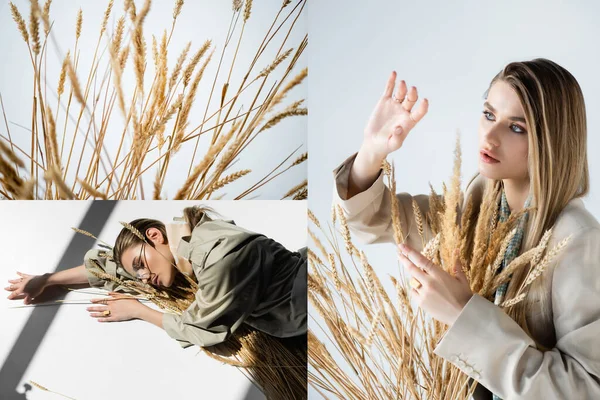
x=484, y=342
x=243, y=277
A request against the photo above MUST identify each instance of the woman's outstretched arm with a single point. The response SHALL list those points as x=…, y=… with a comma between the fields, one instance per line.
x=27, y=287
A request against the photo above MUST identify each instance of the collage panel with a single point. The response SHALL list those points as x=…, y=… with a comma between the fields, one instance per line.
x=225, y=280
x=454, y=242
x=139, y=100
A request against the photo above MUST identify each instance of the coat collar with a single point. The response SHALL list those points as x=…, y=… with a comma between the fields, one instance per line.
x=184, y=249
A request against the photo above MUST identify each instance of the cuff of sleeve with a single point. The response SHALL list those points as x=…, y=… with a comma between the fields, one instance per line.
x=479, y=340
x=171, y=324
x=359, y=201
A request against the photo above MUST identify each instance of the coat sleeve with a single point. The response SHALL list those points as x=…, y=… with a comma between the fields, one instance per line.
x=228, y=291
x=92, y=260
x=369, y=212
x=493, y=349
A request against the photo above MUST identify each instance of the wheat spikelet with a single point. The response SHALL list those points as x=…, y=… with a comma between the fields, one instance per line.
x=177, y=8
x=10, y=154
x=189, y=69
x=295, y=189
x=418, y=219
x=75, y=82
x=63, y=75
x=450, y=230
x=283, y=115
x=313, y=257
x=395, y=211
x=18, y=18
x=34, y=26
x=541, y=267
x=237, y=4
x=301, y=195
x=187, y=104
x=374, y=323
x=303, y=157
x=46, y=16
x=247, y=10
x=178, y=65
x=105, y=18
x=313, y=218
x=78, y=23
x=278, y=60
x=295, y=81
x=345, y=230
x=318, y=243
x=516, y=300
x=228, y=179
x=118, y=36
x=134, y=230
x=92, y=190
x=542, y=246
x=54, y=175
x=334, y=272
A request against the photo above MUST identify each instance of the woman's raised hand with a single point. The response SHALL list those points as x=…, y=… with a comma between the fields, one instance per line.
x=393, y=118
x=26, y=287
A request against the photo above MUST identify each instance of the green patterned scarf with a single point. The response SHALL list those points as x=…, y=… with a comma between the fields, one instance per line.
x=513, y=247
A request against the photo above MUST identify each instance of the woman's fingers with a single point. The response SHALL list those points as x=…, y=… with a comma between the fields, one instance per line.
x=411, y=98
x=415, y=271
x=418, y=113
x=400, y=91
x=389, y=87
x=10, y=288
x=419, y=260
x=99, y=309
x=15, y=280
x=101, y=301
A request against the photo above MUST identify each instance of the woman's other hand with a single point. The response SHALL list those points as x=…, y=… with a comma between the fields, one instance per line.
x=440, y=294
x=393, y=118
x=115, y=309
x=26, y=287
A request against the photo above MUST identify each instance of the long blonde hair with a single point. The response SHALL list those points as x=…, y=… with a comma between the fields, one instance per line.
x=557, y=163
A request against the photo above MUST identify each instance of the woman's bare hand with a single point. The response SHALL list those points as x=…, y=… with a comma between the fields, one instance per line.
x=392, y=119
x=116, y=309
x=26, y=287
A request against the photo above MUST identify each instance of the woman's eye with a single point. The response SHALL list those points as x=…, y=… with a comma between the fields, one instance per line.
x=518, y=129
x=488, y=115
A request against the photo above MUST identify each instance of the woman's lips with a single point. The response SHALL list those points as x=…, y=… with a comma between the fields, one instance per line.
x=486, y=158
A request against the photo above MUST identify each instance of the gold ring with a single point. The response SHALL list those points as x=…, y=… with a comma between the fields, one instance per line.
x=106, y=313
x=415, y=283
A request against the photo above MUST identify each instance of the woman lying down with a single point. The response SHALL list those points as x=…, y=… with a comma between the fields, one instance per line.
x=220, y=278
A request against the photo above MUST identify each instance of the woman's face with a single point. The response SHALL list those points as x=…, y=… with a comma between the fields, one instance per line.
x=154, y=265
x=503, y=135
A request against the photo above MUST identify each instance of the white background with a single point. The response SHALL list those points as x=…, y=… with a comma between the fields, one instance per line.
x=199, y=20
x=450, y=51
x=88, y=360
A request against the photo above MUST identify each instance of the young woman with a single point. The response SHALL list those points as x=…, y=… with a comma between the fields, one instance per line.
x=243, y=277
x=532, y=141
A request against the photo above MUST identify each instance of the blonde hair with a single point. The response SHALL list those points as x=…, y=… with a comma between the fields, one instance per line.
x=557, y=164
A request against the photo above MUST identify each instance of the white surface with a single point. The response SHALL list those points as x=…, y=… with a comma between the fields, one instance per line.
x=88, y=360
x=199, y=20
x=450, y=51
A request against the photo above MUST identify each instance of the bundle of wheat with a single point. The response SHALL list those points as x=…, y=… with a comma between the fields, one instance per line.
x=70, y=156
x=384, y=349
